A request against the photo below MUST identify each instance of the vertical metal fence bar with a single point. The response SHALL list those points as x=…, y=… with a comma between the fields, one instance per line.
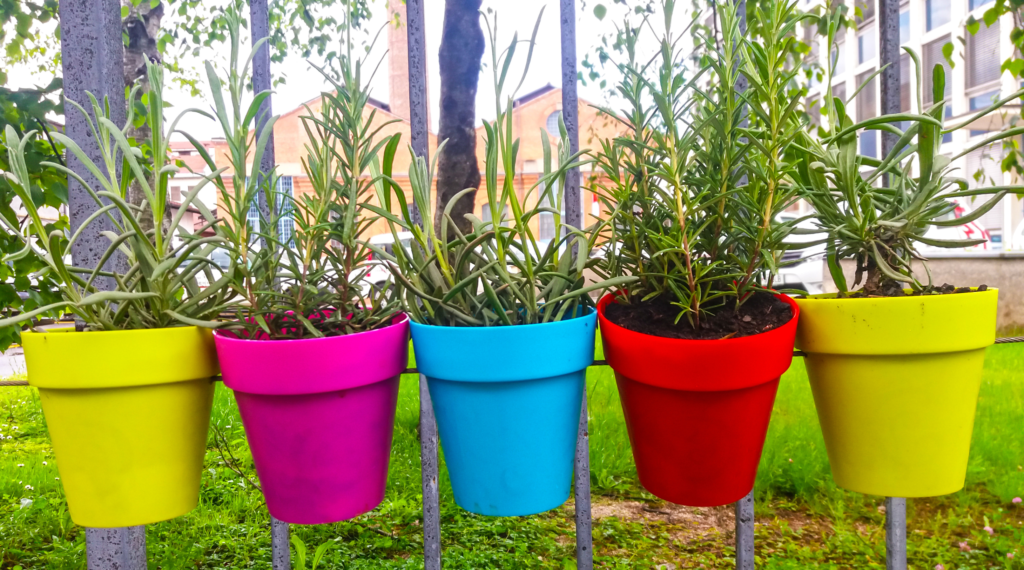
x=889, y=54
x=93, y=62
x=263, y=81
x=116, y=548
x=431, y=496
x=417, y=40
x=281, y=553
x=574, y=217
x=744, y=508
x=895, y=533
x=745, y=532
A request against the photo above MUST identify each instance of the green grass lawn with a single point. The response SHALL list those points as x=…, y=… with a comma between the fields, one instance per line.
x=804, y=521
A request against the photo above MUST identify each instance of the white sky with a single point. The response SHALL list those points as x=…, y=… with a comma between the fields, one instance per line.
x=304, y=83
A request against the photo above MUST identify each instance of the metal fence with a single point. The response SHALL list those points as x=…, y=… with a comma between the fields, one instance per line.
x=91, y=45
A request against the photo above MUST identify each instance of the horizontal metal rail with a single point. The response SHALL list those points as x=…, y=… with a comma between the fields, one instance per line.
x=796, y=354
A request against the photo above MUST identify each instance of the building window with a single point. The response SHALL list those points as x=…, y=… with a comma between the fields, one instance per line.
x=253, y=217
x=286, y=221
x=486, y=215
x=546, y=220
x=813, y=112
x=983, y=63
x=905, y=79
x=937, y=13
x=839, y=58
x=811, y=39
x=552, y=124
x=839, y=92
x=867, y=44
x=175, y=194
x=904, y=26
x=867, y=108
x=979, y=102
x=975, y=4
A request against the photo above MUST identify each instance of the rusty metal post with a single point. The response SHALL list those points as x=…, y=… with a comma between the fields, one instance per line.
x=574, y=217
x=93, y=62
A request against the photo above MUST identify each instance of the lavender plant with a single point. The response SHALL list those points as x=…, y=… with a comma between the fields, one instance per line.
x=158, y=286
x=310, y=283
x=696, y=184
x=500, y=273
x=877, y=211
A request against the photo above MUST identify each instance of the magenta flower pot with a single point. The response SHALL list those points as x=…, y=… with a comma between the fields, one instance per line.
x=319, y=416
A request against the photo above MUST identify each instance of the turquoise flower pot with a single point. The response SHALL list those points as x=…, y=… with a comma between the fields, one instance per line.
x=507, y=402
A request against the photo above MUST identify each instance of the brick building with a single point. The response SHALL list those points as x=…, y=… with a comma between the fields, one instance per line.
x=535, y=115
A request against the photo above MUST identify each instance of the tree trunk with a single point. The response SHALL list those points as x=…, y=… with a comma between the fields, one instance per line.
x=142, y=26
x=462, y=48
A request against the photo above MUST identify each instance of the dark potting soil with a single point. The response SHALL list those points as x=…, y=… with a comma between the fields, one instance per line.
x=897, y=291
x=761, y=313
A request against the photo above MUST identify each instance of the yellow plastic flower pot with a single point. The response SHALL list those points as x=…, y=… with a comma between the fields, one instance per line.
x=895, y=382
x=128, y=413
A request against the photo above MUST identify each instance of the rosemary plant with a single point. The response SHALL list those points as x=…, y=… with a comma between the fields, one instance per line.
x=696, y=184
x=878, y=211
x=500, y=273
x=159, y=287
x=310, y=283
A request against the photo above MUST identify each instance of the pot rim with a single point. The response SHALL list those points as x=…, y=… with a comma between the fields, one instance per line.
x=398, y=319
x=609, y=298
x=56, y=359
x=314, y=365
x=898, y=326
x=699, y=365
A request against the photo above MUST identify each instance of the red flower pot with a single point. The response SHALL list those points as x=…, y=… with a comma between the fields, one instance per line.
x=697, y=411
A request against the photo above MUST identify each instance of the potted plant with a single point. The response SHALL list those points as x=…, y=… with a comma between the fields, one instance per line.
x=694, y=191
x=314, y=354
x=502, y=327
x=895, y=366
x=127, y=402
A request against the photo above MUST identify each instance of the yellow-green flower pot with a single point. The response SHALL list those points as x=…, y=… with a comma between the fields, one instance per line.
x=128, y=414
x=895, y=383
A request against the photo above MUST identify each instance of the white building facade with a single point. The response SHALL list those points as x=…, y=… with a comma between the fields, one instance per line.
x=973, y=83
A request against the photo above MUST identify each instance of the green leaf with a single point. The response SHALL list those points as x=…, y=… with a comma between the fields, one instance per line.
x=973, y=25
x=947, y=52
x=600, y=11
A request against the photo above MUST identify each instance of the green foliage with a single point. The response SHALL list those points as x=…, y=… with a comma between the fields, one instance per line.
x=313, y=284
x=695, y=185
x=157, y=288
x=500, y=273
x=877, y=211
x=24, y=111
